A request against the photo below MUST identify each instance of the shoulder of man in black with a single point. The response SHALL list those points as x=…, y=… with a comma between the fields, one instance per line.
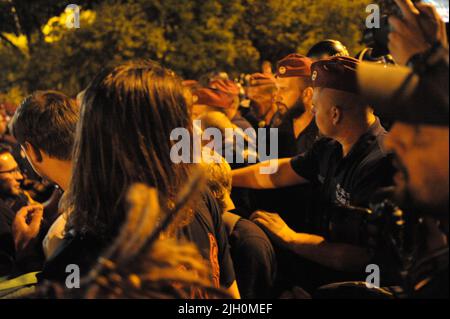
x=374, y=171
x=82, y=250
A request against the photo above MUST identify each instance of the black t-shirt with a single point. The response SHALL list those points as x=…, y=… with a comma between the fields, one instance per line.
x=349, y=180
x=208, y=233
x=289, y=145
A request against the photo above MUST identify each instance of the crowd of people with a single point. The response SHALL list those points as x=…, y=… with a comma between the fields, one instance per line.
x=361, y=179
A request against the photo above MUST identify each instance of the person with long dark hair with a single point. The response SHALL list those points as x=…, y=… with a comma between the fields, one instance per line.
x=123, y=137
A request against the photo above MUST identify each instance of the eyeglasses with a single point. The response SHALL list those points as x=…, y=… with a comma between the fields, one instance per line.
x=15, y=170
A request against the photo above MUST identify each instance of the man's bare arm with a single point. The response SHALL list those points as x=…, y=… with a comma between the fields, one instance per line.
x=254, y=177
x=342, y=257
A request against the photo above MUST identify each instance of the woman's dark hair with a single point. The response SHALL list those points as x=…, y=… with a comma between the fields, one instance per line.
x=123, y=137
x=47, y=120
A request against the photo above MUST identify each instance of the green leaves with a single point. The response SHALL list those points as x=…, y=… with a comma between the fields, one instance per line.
x=192, y=37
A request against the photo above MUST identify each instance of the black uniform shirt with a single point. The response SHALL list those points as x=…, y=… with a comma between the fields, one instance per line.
x=289, y=145
x=208, y=233
x=349, y=180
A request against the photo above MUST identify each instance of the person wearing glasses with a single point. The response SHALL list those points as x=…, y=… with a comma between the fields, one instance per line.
x=12, y=200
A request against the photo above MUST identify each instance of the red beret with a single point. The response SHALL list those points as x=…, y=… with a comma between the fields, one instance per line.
x=337, y=73
x=294, y=65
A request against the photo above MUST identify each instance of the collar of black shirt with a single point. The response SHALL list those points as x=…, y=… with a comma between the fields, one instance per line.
x=375, y=131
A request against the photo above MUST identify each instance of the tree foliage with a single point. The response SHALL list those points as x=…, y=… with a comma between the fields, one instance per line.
x=190, y=36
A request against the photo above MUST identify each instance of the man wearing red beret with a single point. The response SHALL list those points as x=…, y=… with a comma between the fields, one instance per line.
x=220, y=96
x=297, y=129
x=348, y=166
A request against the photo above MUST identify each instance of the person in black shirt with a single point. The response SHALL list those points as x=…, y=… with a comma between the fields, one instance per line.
x=49, y=151
x=252, y=252
x=131, y=111
x=348, y=166
x=347, y=179
x=420, y=139
x=39, y=189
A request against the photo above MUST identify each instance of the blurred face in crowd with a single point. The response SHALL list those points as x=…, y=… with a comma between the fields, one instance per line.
x=423, y=155
x=3, y=124
x=10, y=175
x=198, y=110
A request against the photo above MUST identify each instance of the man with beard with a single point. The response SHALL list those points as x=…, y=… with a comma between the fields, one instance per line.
x=261, y=90
x=297, y=130
x=420, y=140
x=348, y=167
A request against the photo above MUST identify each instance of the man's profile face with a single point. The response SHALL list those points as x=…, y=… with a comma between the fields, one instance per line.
x=10, y=175
x=322, y=111
x=289, y=94
x=422, y=153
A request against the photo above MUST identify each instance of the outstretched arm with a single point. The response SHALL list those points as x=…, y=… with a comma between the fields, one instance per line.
x=255, y=176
